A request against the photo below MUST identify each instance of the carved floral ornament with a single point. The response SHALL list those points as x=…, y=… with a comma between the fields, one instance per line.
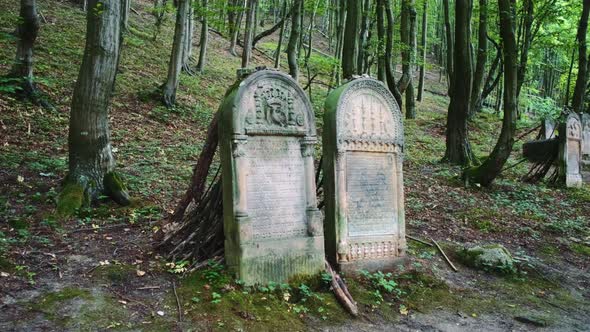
x=274, y=109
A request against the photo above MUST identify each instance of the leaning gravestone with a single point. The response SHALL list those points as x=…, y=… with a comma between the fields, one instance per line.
x=272, y=226
x=571, y=150
x=586, y=147
x=363, y=181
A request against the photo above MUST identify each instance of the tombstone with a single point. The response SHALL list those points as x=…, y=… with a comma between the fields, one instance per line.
x=585, y=167
x=273, y=228
x=363, y=179
x=549, y=125
x=571, y=150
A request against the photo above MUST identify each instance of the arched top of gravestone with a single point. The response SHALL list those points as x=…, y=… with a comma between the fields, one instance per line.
x=365, y=113
x=573, y=126
x=268, y=102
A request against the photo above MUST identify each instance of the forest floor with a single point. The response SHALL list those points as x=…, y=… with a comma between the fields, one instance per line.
x=99, y=270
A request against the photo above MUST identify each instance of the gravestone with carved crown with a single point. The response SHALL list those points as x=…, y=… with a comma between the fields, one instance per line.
x=570, y=151
x=273, y=228
x=585, y=168
x=363, y=179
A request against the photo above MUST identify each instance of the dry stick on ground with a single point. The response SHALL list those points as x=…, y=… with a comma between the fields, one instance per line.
x=419, y=241
x=177, y=302
x=444, y=255
x=341, y=292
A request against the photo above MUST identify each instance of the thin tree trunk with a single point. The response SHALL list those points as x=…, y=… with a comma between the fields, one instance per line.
x=281, y=35
x=351, y=39
x=249, y=32
x=389, y=69
x=492, y=167
x=364, y=33
x=458, y=150
x=580, y=89
x=125, y=14
x=187, y=49
x=482, y=54
x=566, y=99
x=449, y=40
x=411, y=57
x=528, y=9
x=204, y=38
x=175, y=64
x=236, y=27
x=292, y=46
x=423, y=50
x=91, y=162
x=380, y=9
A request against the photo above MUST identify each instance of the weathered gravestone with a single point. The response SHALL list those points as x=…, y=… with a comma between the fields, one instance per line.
x=273, y=229
x=363, y=181
x=570, y=150
x=549, y=125
x=586, y=147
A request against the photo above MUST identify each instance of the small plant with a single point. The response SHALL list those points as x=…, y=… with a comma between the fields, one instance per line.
x=381, y=282
x=215, y=298
x=213, y=273
x=177, y=267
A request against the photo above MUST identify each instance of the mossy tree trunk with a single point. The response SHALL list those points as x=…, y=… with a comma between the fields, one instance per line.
x=292, y=46
x=492, y=166
x=204, y=38
x=27, y=31
x=91, y=161
x=458, y=150
x=581, y=80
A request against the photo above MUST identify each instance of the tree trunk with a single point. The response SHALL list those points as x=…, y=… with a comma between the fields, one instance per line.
x=351, y=39
x=204, y=38
x=292, y=46
x=492, y=167
x=175, y=64
x=458, y=150
x=249, y=32
x=236, y=27
x=528, y=16
x=566, y=99
x=126, y=4
x=91, y=162
x=580, y=89
x=381, y=59
x=187, y=50
x=449, y=40
x=389, y=70
x=423, y=50
x=482, y=54
x=364, y=33
x=281, y=35
x=27, y=31
x=408, y=67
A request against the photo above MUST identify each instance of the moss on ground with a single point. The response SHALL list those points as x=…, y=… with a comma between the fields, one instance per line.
x=581, y=249
x=114, y=273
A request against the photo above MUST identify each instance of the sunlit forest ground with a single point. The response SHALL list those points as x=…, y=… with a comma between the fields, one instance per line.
x=99, y=270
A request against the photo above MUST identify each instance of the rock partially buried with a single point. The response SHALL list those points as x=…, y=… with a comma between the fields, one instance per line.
x=490, y=257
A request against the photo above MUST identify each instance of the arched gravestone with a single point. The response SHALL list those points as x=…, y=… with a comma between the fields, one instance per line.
x=272, y=226
x=571, y=150
x=363, y=180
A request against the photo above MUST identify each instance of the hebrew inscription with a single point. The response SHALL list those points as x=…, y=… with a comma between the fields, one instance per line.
x=276, y=200
x=371, y=202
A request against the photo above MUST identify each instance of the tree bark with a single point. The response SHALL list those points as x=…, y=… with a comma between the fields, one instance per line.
x=408, y=65
x=234, y=32
x=389, y=70
x=364, y=36
x=187, y=49
x=292, y=46
x=528, y=9
x=91, y=162
x=204, y=38
x=581, y=80
x=175, y=64
x=482, y=54
x=271, y=30
x=351, y=39
x=458, y=150
x=27, y=31
x=492, y=167
x=423, y=50
x=249, y=32
x=449, y=40
x=281, y=35
x=381, y=59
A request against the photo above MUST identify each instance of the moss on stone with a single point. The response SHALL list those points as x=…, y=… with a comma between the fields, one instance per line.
x=72, y=197
x=490, y=257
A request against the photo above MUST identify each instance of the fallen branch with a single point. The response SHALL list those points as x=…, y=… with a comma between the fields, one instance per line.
x=341, y=292
x=177, y=302
x=444, y=255
x=419, y=241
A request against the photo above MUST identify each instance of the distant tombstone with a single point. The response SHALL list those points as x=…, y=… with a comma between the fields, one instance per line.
x=363, y=179
x=273, y=228
x=586, y=136
x=549, y=125
x=571, y=150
